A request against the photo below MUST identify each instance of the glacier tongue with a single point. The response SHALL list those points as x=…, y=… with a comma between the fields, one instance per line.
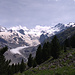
x=17, y=50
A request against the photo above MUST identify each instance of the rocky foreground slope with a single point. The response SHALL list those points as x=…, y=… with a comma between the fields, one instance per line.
x=64, y=65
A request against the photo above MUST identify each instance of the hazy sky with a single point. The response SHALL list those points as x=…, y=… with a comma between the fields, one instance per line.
x=30, y=13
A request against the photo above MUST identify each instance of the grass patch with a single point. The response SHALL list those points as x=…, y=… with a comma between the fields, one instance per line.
x=62, y=66
x=59, y=71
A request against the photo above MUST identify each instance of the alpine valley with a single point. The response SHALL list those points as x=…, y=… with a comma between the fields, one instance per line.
x=22, y=41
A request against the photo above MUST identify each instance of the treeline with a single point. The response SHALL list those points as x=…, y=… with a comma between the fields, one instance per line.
x=45, y=52
x=50, y=49
x=70, y=42
x=5, y=68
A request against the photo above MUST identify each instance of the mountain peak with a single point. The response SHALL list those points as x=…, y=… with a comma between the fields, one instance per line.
x=3, y=29
x=59, y=25
x=18, y=28
x=71, y=24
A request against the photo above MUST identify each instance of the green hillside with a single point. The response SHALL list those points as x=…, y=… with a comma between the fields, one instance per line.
x=64, y=65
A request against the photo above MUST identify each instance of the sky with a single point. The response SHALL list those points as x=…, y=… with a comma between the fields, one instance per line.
x=30, y=13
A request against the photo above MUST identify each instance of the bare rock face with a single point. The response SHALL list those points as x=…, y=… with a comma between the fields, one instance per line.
x=16, y=57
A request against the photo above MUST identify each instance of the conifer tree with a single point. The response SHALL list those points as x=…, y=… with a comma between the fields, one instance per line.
x=13, y=68
x=22, y=66
x=55, y=48
x=72, y=41
x=4, y=65
x=67, y=43
x=38, y=57
x=34, y=63
x=65, y=48
x=46, y=51
x=18, y=65
x=30, y=60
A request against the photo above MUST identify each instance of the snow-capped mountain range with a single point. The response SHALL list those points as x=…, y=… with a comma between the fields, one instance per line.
x=22, y=41
x=30, y=37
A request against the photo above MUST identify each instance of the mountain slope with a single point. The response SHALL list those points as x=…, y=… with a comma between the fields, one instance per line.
x=64, y=65
x=21, y=36
x=62, y=36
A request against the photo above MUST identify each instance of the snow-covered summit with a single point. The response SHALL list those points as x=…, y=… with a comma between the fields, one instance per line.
x=40, y=29
x=60, y=25
x=3, y=29
x=18, y=28
x=71, y=24
x=23, y=35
